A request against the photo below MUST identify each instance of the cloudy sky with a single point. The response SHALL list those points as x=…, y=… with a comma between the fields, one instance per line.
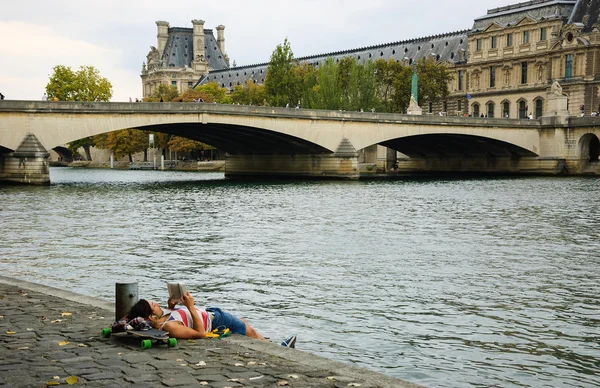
x=115, y=36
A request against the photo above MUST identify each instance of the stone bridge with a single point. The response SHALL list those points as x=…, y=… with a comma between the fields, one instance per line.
x=306, y=143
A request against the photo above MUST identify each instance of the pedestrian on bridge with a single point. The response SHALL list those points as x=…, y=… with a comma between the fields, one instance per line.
x=1, y=96
x=44, y=97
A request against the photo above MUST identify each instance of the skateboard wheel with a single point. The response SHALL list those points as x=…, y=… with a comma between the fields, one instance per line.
x=106, y=332
x=146, y=344
x=172, y=342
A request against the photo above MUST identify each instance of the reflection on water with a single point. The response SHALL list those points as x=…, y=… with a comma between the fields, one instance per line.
x=443, y=282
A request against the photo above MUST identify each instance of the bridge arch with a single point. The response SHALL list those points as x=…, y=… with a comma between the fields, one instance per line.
x=239, y=139
x=447, y=145
x=589, y=147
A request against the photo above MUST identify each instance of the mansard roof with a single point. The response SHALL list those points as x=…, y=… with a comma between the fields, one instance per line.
x=533, y=9
x=445, y=47
x=587, y=13
x=179, y=50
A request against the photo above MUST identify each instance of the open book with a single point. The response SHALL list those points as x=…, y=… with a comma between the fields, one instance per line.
x=176, y=290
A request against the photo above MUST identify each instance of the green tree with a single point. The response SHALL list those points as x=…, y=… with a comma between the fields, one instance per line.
x=182, y=144
x=214, y=93
x=124, y=142
x=85, y=84
x=434, y=81
x=282, y=83
x=248, y=94
x=164, y=92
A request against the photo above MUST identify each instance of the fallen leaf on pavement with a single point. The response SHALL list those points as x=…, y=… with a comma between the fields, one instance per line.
x=11, y=332
x=201, y=363
x=72, y=380
x=82, y=345
x=282, y=383
x=293, y=376
x=49, y=383
x=63, y=343
x=65, y=314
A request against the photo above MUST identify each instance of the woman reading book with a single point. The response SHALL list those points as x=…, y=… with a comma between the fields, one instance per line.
x=188, y=321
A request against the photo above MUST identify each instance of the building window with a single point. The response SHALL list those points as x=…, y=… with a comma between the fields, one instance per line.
x=525, y=37
x=505, y=109
x=173, y=75
x=478, y=45
x=494, y=42
x=523, y=72
x=173, y=83
x=543, y=33
x=569, y=66
x=459, y=108
x=475, y=110
x=190, y=85
x=490, y=110
x=461, y=77
x=509, y=40
x=522, y=110
x=538, y=108
x=492, y=77
x=430, y=107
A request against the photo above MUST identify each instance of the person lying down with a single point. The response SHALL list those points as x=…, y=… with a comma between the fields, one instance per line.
x=186, y=321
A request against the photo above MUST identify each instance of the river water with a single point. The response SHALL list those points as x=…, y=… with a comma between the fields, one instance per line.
x=445, y=282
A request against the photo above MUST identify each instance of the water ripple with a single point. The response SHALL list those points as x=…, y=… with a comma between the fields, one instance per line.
x=444, y=282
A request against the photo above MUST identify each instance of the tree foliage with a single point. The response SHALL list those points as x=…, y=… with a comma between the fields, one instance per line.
x=249, y=94
x=214, y=93
x=124, y=142
x=164, y=92
x=85, y=84
x=282, y=82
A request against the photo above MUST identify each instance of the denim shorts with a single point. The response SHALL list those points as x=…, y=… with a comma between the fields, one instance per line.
x=222, y=319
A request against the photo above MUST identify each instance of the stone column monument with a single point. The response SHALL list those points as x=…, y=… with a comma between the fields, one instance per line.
x=413, y=107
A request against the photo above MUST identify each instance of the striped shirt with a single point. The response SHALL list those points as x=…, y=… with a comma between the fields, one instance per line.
x=183, y=315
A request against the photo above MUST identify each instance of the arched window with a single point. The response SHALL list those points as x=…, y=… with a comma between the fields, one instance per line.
x=476, y=110
x=506, y=109
x=539, y=106
x=522, y=109
x=490, y=109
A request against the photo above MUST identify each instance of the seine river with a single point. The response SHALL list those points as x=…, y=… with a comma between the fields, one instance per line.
x=445, y=282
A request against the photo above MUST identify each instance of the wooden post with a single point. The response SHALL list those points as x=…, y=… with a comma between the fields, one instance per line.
x=126, y=295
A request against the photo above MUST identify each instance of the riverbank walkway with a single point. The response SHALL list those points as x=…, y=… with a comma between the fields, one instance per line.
x=52, y=337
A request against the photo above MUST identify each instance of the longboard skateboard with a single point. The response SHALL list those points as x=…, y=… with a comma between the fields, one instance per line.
x=148, y=336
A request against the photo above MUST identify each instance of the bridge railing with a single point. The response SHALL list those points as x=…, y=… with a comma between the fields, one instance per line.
x=74, y=107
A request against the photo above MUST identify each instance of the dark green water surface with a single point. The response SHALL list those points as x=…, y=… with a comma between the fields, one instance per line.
x=444, y=282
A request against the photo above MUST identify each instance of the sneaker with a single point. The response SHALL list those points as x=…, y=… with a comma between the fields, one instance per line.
x=290, y=342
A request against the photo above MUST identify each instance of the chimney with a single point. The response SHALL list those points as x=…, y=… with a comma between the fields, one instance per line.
x=199, y=62
x=221, y=38
x=162, y=35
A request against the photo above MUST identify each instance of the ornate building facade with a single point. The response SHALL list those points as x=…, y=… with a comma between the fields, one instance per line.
x=515, y=53
x=503, y=65
x=182, y=56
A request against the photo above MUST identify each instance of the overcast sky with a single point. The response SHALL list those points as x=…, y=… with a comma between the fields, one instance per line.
x=115, y=36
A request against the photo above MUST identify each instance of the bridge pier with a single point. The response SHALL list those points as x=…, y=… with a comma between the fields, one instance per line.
x=525, y=165
x=27, y=165
x=292, y=166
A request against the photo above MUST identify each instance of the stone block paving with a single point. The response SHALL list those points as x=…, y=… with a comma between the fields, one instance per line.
x=49, y=341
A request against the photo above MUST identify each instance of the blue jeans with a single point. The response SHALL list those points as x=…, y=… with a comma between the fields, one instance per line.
x=222, y=319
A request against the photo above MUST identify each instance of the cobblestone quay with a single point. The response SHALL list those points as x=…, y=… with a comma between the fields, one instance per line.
x=52, y=337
